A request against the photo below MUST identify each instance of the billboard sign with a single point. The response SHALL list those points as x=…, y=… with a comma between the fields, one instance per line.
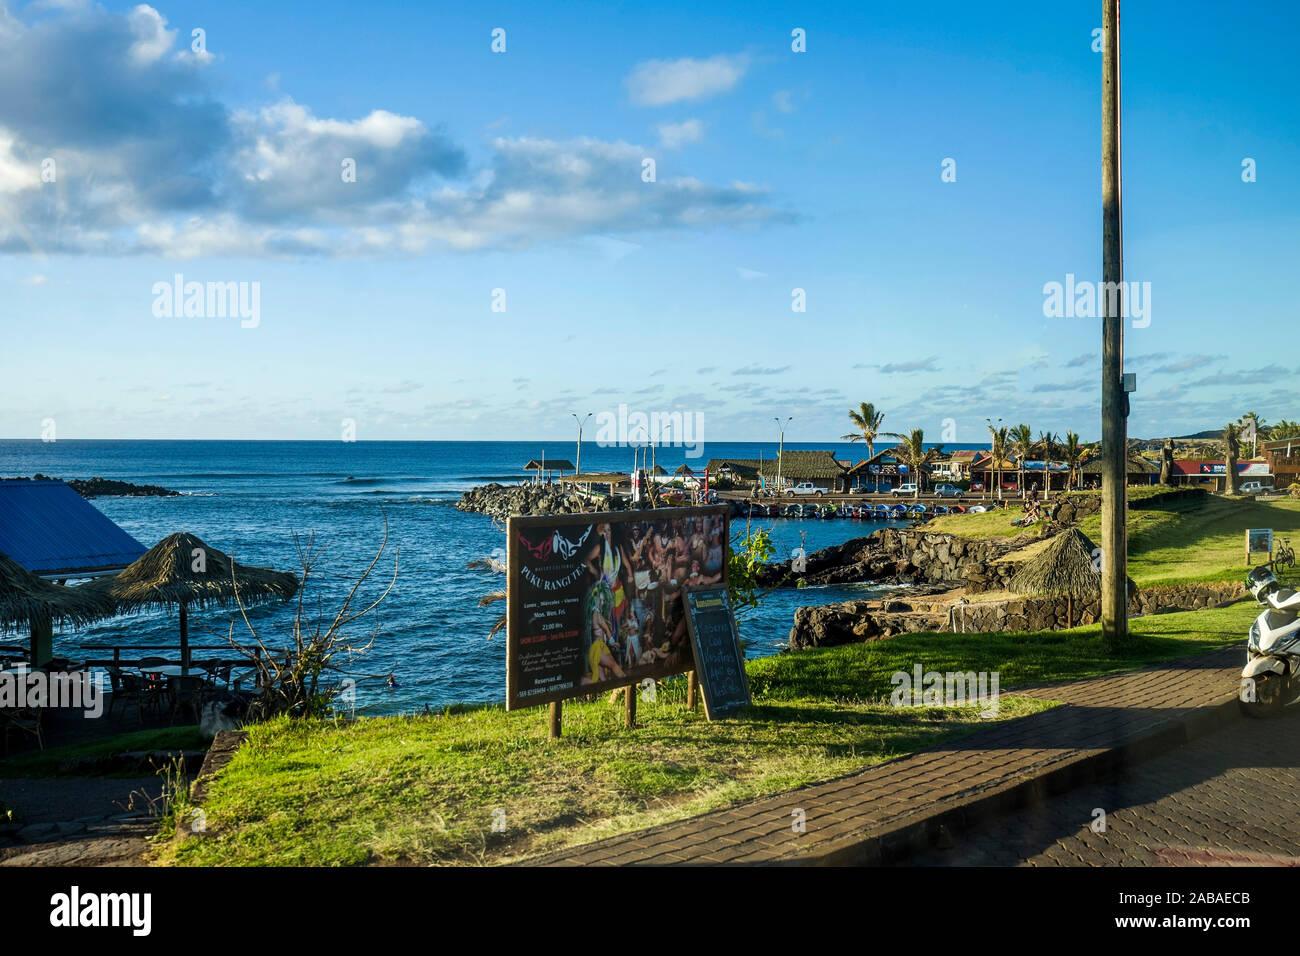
x=595, y=600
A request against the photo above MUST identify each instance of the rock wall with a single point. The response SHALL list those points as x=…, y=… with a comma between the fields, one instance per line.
x=1073, y=507
x=904, y=556
x=858, y=621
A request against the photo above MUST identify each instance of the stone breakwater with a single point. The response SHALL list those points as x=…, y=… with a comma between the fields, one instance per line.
x=501, y=501
x=106, y=487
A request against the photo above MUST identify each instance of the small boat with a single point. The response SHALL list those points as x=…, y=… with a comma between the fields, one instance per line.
x=978, y=510
x=941, y=509
x=897, y=511
x=881, y=511
x=958, y=509
x=774, y=511
x=830, y=511
x=793, y=511
x=917, y=509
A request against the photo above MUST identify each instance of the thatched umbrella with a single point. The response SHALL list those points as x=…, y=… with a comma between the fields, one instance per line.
x=180, y=569
x=26, y=598
x=684, y=471
x=1065, y=567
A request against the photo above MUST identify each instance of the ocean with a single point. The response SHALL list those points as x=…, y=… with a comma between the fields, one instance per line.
x=249, y=498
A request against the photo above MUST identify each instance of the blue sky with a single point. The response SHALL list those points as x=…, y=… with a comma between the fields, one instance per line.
x=522, y=171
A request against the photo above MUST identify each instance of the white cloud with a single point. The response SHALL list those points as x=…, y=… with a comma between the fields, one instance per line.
x=781, y=100
x=152, y=38
x=676, y=135
x=750, y=273
x=660, y=82
x=154, y=163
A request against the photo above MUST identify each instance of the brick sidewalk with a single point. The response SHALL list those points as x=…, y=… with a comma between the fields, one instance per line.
x=909, y=804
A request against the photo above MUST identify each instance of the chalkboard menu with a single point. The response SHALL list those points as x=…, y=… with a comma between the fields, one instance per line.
x=719, y=661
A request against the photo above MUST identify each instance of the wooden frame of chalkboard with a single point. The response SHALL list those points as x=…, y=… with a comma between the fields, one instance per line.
x=520, y=629
x=717, y=653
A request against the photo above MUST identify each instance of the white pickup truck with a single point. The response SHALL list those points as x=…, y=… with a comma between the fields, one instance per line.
x=804, y=488
x=1256, y=488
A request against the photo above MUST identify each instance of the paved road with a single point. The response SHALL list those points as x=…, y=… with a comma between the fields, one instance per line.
x=1232, y=797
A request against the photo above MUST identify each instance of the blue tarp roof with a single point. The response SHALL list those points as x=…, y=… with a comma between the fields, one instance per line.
x=51, y=530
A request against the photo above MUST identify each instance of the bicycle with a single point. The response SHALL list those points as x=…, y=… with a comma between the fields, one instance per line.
x=1284, y=557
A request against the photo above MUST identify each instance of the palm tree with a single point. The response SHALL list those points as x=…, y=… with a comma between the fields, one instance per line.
x=1073, y=452
x=998, y=451
x=867, y=421
x=1022, y=443
x=915, y=455
x=1232, y=437
x=1284, y=429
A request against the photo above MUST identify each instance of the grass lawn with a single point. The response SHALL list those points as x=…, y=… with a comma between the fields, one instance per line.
x=1175, y=543
x=46, y=763
x=1203, y=541
x=425, y=789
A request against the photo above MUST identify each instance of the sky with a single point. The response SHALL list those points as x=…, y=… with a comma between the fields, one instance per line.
x=439, y=239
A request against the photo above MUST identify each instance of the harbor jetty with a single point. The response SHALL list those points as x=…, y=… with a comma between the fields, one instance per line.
x=501, y=501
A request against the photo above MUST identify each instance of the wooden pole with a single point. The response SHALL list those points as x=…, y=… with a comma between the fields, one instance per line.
x=629, y=705
x=185, y=640
x=692, y=691
x=557, y=710
x=42, y=640
x=1114, y=424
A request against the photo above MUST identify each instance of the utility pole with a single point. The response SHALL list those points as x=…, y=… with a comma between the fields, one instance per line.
x=1114, y=401
x=780, y=452
x=577, y=466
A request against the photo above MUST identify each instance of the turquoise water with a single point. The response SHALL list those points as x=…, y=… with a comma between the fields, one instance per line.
x=249, y=498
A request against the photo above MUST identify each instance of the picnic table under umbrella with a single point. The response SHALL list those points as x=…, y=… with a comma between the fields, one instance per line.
x=27, y=598
x=182, y=570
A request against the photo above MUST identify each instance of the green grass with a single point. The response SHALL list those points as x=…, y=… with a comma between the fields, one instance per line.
x=1206, y=541
x=990, y=524
x=1176, y=542
x=46, y=763
x=425, y=789
x=1019, y=657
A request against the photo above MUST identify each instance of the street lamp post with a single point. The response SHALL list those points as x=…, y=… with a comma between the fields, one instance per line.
x=780, y=452
x=581, y=422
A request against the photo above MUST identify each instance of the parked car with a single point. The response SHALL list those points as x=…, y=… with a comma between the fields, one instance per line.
x=977, y=486
x=805, y=488
x=905, y=489
x=946, y=490
x=1255, y=488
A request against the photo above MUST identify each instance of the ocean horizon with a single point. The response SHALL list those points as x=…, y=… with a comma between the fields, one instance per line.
x=249, y=498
